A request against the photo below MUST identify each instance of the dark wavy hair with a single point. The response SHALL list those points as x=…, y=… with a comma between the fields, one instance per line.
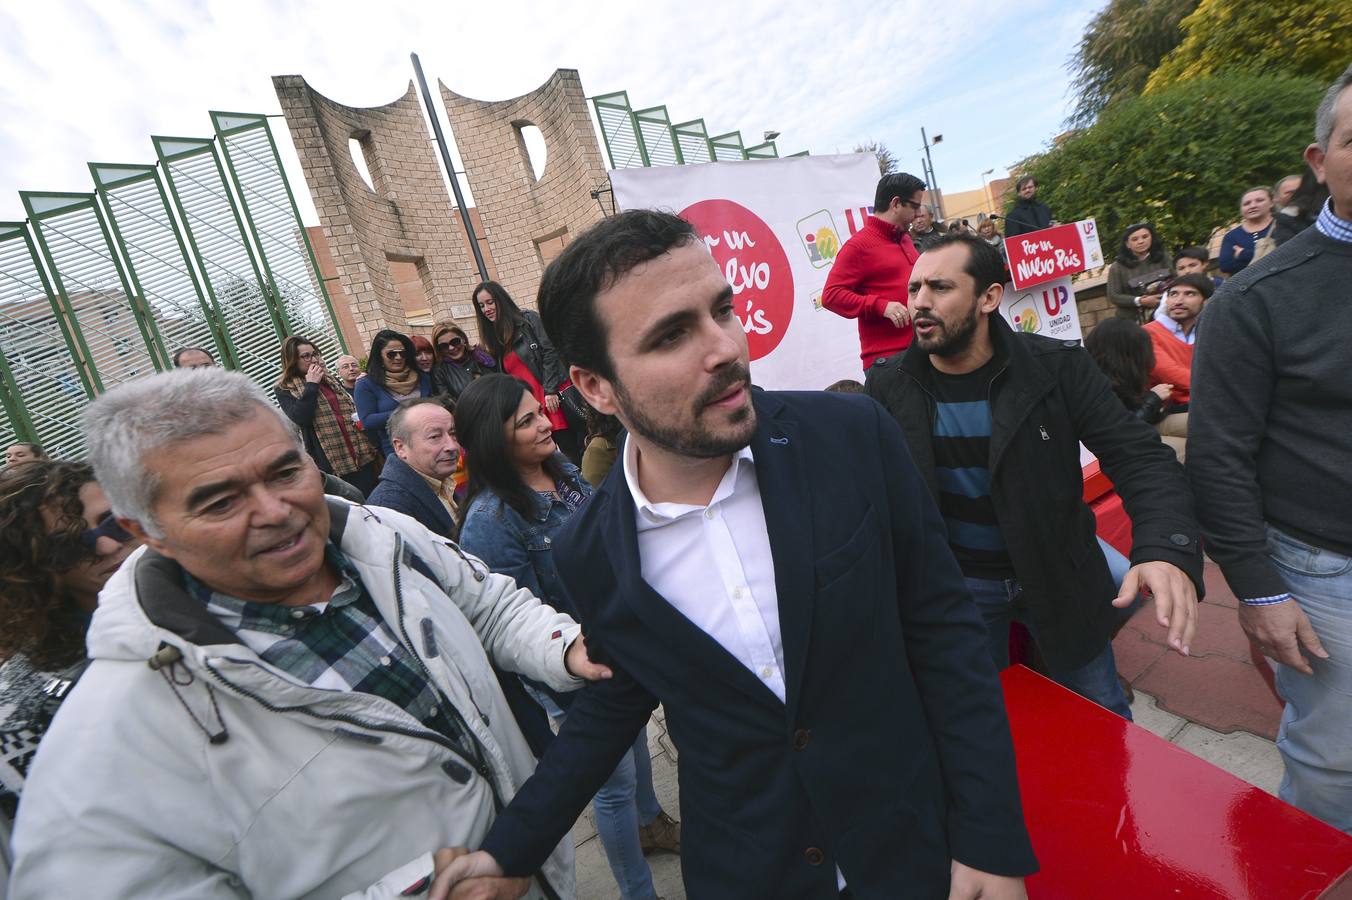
x=375, y=362
x=1126, y=257
x=35, y=620
x=480, y=414
x=1123, y=351
x=291, y=358
x=497, y=337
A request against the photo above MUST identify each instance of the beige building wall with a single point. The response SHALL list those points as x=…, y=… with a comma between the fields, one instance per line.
x=402, y=229
x=526, y=221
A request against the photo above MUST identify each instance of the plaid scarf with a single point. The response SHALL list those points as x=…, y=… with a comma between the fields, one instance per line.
x=346, y=450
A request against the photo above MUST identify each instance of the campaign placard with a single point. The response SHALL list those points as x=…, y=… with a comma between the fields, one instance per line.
x=774, y=227
x=1047, y=309
x=1052, y=253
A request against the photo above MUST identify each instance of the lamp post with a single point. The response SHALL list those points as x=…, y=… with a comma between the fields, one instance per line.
x=929, y=170
x=986, y=192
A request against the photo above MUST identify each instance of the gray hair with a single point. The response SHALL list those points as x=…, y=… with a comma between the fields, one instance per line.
x=1323, y=116
x=397, y=424
x=136, y=419
x=927, y=208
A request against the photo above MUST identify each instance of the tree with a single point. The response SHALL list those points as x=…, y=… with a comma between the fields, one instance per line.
x=1179, y=157
x=887, y=163
x=1121, y=46
x=1296, y=37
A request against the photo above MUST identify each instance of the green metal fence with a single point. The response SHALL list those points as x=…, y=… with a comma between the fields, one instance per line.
x=205, y=249
x=647, y=137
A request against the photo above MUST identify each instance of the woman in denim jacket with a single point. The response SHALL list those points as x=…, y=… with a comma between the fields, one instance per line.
x=521, y=492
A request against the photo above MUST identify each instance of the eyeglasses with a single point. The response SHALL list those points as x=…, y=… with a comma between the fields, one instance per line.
x=915, y=207
x=313, y=354
x=453, y=342
x=69, y=551
x=394, y=354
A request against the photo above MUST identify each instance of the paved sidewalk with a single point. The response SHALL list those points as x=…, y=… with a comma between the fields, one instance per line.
x=1213, y=703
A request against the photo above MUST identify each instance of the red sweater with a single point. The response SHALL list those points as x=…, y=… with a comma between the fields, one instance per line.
x=1173, y=361
x=871, y=270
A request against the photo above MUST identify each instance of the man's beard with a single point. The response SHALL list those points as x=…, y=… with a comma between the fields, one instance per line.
x=694, y=441
x=952, y=339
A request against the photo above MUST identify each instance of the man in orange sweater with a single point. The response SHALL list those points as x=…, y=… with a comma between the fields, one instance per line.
x=1173, y=336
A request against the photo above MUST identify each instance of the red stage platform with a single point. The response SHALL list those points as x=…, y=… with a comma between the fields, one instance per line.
x=1116, y=812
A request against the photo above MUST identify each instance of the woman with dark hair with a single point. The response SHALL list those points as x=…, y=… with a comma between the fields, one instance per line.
x=392, y=377
x=1124, y=353
x=326, y=415
x=59, y=543
x=458, y=363
x=517, y=341
x=1302, y=209
x=23, y=451
x=522, y=491
x=1136, y=279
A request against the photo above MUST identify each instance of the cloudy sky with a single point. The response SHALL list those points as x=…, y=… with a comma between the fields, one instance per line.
x=83, y=81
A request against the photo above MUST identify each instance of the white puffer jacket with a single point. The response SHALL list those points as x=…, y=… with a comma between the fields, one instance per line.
x=310, y=793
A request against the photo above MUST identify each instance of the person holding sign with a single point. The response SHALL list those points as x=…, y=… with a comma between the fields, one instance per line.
x=868, y=279
x=994, y=419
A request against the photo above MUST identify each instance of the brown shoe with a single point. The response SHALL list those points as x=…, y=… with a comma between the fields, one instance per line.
x=663, y=833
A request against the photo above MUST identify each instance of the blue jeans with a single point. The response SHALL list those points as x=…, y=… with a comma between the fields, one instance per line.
x=624, y=802
x=1315, y=737
x=1096, y=681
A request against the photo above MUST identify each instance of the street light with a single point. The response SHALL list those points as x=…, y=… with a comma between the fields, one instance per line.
x=986, y=191
x=929, y=171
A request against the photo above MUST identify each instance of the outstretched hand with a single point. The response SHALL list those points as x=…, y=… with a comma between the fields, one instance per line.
x=1175, y=599
x=579, y=664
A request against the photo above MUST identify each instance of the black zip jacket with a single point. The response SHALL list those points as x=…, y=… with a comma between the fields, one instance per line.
x=1047, y=397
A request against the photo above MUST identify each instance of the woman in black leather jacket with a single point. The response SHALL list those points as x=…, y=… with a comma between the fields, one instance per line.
x=517, y=341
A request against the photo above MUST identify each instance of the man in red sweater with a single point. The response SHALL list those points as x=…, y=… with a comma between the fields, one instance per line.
x=868, y=280
x=1173, y=336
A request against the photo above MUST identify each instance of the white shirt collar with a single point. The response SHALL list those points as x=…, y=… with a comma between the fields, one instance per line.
x=1177, y=330
x=654, y=514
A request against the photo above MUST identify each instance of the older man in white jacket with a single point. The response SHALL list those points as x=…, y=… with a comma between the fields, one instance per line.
x=290, y=695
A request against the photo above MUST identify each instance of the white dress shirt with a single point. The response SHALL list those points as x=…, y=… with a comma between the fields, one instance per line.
x=713, y=564
x=686, y=551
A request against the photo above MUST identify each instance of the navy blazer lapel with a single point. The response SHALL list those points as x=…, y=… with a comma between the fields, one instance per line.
x=668, y=623
x=783, y=479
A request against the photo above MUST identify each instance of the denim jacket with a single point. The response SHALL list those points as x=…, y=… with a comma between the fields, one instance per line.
x=520, y=546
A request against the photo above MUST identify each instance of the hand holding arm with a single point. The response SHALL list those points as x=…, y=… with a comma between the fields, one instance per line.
x=897, y=313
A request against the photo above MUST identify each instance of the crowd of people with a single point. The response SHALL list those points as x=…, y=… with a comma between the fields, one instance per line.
x=325, y=642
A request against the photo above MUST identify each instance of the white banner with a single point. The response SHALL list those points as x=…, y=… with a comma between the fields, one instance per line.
x=774, y=226
x=1047, y=309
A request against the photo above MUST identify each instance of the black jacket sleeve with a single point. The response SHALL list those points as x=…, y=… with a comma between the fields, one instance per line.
x=605, y=718
x=946, y=644
x=1143, y=469
x=300, y=410
x=552, y=373
x=1232, y=386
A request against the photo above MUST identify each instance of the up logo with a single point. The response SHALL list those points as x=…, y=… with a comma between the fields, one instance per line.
x=754, y=263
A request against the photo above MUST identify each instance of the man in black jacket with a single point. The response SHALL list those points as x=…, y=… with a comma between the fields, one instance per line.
x=994, y=420
x=1028, y=213
x=824, y=672
x=417, y=480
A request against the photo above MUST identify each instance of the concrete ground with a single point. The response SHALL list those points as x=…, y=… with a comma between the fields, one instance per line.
x=1213, y=703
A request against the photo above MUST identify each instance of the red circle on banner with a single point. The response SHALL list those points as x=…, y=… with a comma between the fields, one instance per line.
x=753, y=261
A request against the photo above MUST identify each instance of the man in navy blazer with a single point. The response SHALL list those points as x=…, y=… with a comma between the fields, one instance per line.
x=772, y=569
